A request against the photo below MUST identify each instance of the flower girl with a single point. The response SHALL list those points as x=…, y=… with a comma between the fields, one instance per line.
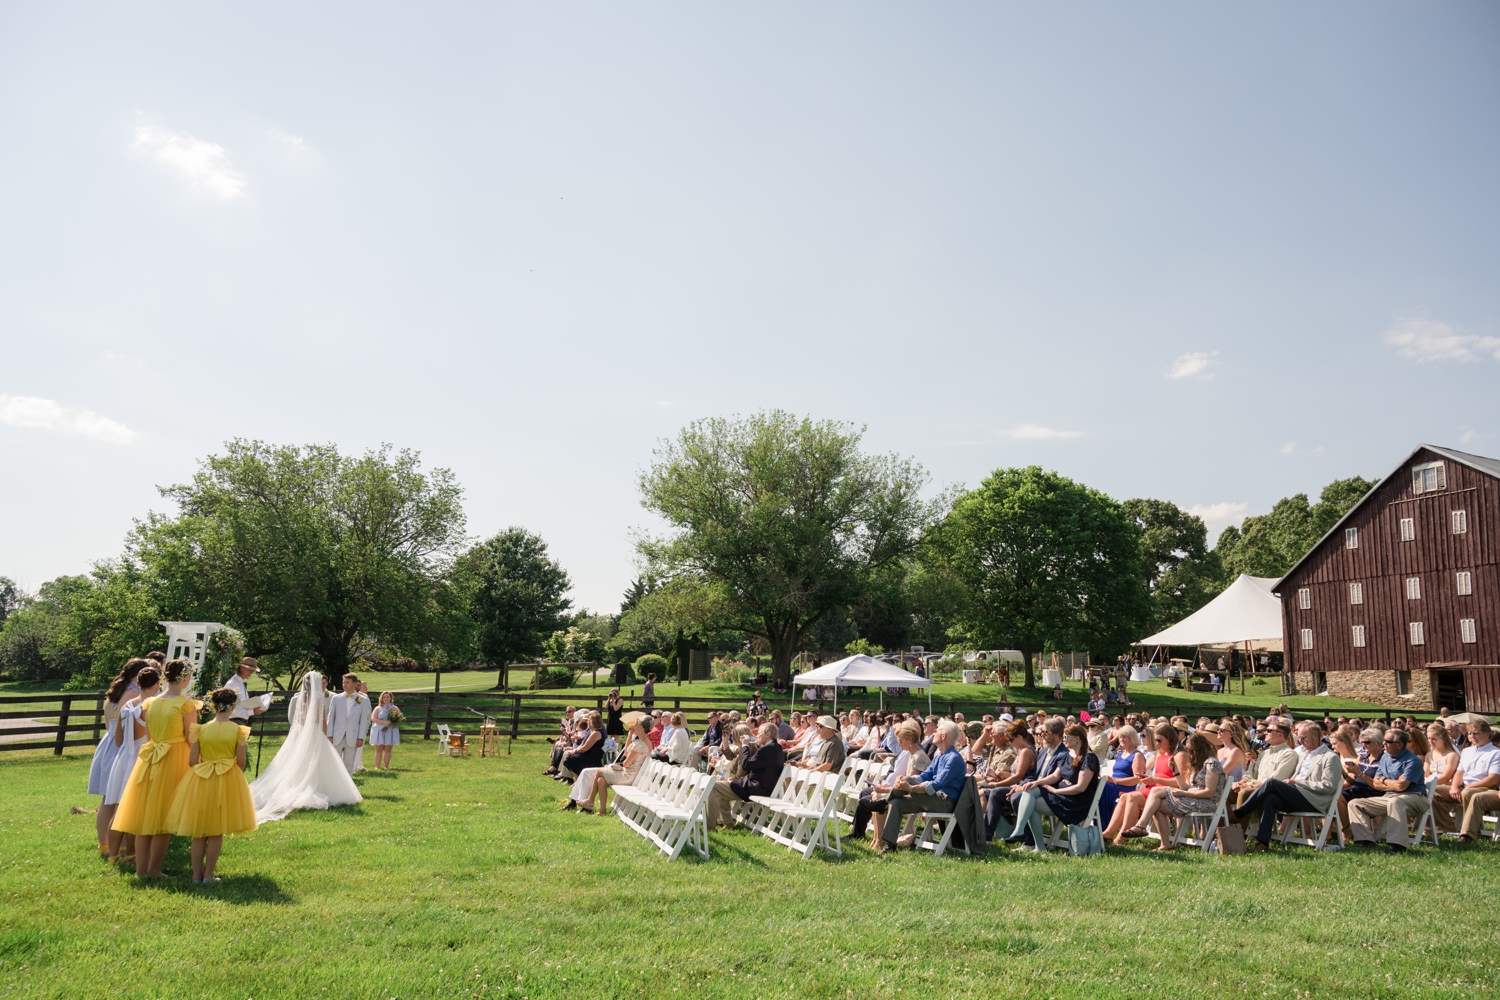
x=129, y=735
x=158, y=770
x=214, y=798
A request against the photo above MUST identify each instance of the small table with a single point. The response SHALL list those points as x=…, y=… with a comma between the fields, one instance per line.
x=1051, y=678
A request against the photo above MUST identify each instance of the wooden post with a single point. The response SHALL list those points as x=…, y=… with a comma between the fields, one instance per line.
x=427, y=727
x=515, y=722
x=62, y=726
x=98, y=716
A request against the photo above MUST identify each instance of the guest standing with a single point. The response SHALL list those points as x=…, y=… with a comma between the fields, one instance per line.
x=158, y=770
x=213, y=798
x=129, y=735
x=108, y=749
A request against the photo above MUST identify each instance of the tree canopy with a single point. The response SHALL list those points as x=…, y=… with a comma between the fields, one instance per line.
x=1269, y=544
x=1042, y=560
x=516, y=594
x=1181, y=573
x=782, y=521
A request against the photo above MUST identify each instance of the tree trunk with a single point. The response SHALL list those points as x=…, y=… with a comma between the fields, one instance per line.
x=1027, y=651
x=783, y=642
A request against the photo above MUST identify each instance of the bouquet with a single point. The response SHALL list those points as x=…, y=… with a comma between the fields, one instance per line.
x=394, y=716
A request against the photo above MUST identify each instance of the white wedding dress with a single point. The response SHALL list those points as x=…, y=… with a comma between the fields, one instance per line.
x=307, y=772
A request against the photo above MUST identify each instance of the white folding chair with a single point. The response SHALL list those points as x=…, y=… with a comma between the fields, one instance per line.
x=1057, y=837
x=1323, y=824
x=444, y=739
x=1427, y=821
x=805, y=825
x=1198, y=828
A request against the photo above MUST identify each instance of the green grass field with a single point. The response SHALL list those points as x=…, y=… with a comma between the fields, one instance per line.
x=458, y=878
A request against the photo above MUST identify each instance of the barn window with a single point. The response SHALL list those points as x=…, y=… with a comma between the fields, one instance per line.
x=1359, y=635
x=1418, y=636
x=1304, y=598
x=1351, y=538
x=1466, y=629
x=1356, y=593
x=1465, y=581
x=1307, y=638
x=1403, y=682
x=1408, y=529
x=1428, y=477
x=1460, y=521
x=1414, y=588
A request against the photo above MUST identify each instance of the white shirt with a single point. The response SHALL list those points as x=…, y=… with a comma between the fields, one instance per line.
x=1478, y=763
x=242, y=707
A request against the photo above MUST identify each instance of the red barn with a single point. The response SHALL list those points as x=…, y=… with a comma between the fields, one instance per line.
x=1399, y=604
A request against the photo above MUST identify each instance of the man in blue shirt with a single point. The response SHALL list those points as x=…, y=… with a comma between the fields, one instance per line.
x=1402, y=794
x=936, y=789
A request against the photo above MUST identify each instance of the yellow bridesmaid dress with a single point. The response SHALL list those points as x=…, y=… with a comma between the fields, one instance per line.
x=158, y=771
x=214, y=798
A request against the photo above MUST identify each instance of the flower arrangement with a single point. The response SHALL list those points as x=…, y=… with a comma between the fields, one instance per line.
x=394, y=715
x=223, y=650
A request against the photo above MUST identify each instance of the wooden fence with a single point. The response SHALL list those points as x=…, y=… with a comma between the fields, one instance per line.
x=78, y=719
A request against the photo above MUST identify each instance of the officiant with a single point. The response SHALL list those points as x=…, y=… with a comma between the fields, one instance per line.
x=244, y=705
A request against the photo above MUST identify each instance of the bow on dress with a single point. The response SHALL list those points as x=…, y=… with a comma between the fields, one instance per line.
x=151, y=755
x=209, y=768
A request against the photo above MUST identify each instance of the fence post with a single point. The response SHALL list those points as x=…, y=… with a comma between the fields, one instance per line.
x=99, y=716
x=515, y=717
x=62, y=726
x=427, y=727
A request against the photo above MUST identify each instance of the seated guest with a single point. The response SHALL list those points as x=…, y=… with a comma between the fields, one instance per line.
x=656, y=727
x=1065, y=792
x=936, y=789
x=1164, y=800
x=910, y=761
x=1401, y=790
x=1475, y=784
x=829, y=753
x=1126, y=773
x=593, y=783
x=760, y=765
x=1098, y=730
x=563, y=743
x=1234, y=750
x=783, y=731
x=1442, y=764
x=1357, y=776
x=1312, y=787
x=712, y=735
x=588, y=753
x=732, y=751
x=1000, y=781
x=1278, y=760
x=676, y=746
x=929, y=736
x=1164, y=769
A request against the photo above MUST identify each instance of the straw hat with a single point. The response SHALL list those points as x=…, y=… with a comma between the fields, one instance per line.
x=1181, y=726
x=631, y=718
x=251, y=662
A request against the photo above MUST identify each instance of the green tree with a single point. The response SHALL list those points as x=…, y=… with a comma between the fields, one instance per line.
x=783, y=520
x=1181, y=573
x=32, y=642
x=1269, y=544
x=1042, y=559
x=11, y=598
x=516, y=598
x=312, y=555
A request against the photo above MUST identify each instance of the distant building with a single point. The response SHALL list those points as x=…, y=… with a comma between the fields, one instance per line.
x=1399, y=604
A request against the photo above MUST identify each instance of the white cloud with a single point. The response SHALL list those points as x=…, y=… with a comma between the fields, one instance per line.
x=1428, y=340
x=49, y=415
x=1031, y=432
x=1289, y=447
x=1468, y=435
x=665, y=402
x=1189, y=365
x=1219, y=515
x=204, y=164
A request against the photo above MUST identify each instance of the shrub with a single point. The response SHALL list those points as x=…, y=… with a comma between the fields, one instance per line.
x=652, y=664
x=864, y=646
x=732, y=672
x=553, y=677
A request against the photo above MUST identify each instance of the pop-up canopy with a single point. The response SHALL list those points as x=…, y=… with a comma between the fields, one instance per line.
x=1246, y=612
x=861, y=671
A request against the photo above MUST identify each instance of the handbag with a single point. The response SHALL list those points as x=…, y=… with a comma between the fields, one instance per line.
x=1231, y=838
x=1084, y=841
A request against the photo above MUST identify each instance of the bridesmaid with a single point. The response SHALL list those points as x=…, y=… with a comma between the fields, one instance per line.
x=213, y=798
x=384, y=731
x=160, y=767
x=128, y=736
x=108, y=749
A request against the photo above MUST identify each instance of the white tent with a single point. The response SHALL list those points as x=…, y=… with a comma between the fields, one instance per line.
x=1246, y=612
x=861, y=671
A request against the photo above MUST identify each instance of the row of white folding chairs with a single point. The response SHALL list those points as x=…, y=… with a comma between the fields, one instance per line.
x=799, y=813
x=859, y=774
x=666, y=804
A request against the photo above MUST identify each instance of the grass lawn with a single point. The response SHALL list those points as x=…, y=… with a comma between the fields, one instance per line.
x=458, y=878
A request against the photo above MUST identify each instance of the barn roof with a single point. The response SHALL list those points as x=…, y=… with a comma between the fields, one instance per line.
x=1488, y=466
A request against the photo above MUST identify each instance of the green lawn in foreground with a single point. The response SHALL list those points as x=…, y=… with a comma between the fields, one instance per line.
x=458, y=878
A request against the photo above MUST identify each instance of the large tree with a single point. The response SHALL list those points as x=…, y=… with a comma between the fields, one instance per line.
x=1181, y=573
x=312, y=555
x=1041, y=559
x=516, y=597
x=784, y=520
x=1268, y=544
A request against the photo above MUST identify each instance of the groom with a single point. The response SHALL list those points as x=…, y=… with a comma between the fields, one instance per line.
x=349, y=722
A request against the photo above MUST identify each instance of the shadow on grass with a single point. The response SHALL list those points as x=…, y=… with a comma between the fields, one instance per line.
x=384, y=798
x=237, y=890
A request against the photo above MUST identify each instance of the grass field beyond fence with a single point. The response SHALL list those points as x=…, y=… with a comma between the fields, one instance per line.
x=459, y=878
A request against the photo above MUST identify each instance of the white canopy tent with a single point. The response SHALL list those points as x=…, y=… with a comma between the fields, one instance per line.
x=861, y=671
x=1246, y=614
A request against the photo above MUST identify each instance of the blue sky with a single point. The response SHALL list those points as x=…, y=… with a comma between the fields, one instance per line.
x=1188, y=251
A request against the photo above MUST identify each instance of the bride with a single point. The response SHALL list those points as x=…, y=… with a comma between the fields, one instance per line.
x=307, y=772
